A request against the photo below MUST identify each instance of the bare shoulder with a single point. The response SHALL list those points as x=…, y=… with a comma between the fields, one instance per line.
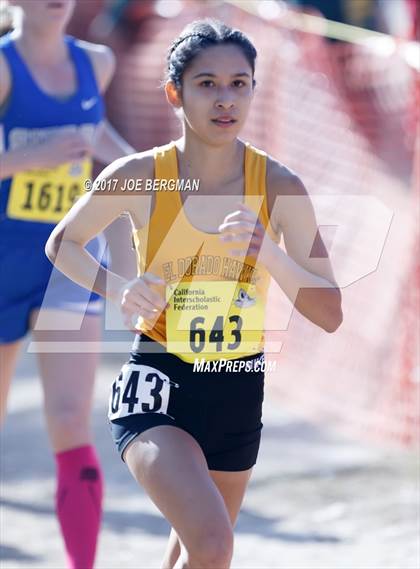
x=281, y=185
x=103, y=61
x=139, y=166
x=282, y=181
x=124, y=179
x=94, y=211
x=5, y=78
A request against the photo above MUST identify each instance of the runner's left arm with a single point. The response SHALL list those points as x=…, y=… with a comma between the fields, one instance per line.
x=303, y=271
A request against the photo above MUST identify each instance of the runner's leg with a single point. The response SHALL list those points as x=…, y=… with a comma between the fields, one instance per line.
x=170, y=465
x=232, y=486
x=8, y=358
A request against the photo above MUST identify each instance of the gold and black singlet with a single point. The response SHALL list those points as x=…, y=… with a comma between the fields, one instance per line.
x=216, y=300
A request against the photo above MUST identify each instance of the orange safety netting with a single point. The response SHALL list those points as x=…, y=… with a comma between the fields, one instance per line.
x=343, y=118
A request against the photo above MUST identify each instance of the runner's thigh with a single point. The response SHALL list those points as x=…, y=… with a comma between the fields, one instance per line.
x=170, y=465
x=232, y=486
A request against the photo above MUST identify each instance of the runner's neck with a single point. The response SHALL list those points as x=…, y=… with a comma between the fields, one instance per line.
x=41, y=47
x=213, y=166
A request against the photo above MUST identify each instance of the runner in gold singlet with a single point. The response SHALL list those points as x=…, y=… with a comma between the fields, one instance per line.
x=216, y=301
x=186, y=409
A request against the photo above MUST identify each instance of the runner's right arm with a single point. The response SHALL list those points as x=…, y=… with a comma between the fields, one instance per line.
x=89, y=217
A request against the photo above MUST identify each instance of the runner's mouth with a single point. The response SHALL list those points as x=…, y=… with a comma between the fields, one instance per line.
x=224, y=122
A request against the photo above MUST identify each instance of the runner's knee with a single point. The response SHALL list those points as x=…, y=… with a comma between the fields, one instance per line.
x=213, y=549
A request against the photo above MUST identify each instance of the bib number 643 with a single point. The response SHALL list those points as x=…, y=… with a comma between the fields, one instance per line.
x=198, y=334
x=139, y=389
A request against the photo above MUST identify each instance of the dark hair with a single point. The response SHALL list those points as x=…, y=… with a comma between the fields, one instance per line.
x=198, y=36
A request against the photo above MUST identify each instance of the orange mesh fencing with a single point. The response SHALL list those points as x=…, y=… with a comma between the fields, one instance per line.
x=343, y=118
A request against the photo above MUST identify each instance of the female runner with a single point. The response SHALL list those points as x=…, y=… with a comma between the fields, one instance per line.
x=186, y=409
x=51, y=123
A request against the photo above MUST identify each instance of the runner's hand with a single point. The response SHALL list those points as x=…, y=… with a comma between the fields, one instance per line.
x=137, y=298
x=243, y=229
x=59, y=149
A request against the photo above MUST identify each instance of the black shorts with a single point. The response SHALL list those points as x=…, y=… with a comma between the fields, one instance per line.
x=221, y=410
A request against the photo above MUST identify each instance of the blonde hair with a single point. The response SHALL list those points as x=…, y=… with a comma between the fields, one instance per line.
x=10, y=16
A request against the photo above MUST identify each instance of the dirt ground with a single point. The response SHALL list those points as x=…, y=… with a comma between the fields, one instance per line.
x=316, y=500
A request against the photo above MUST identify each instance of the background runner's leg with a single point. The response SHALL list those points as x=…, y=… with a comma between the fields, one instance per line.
x=171, y=467
x=68, y=382
x=173, y=551
x=232, y=486
x=8, y=358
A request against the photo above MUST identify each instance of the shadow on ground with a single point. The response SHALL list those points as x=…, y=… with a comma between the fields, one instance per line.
x=8, y=552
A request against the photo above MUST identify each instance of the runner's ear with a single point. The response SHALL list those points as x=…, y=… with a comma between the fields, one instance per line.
x=173, y=94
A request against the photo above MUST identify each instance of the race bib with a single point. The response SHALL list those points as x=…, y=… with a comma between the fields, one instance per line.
x=47, y=195
x=139, y=389
x=222, y=319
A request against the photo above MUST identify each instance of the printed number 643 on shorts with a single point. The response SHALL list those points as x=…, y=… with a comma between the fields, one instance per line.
x=139, y=389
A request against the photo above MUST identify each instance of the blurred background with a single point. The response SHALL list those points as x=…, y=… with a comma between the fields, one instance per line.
x=337, y=101
x=338, y=105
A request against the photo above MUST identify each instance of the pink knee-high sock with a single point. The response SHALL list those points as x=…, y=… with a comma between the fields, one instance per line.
x=79, y=504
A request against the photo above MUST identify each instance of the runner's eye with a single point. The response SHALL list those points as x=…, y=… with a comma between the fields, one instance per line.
x=238, y=83
x=206, y=83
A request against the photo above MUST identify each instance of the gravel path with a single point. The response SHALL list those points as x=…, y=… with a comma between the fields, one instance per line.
x=315, y=501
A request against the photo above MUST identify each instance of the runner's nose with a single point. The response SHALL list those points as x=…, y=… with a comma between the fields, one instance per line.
x=224, y=100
